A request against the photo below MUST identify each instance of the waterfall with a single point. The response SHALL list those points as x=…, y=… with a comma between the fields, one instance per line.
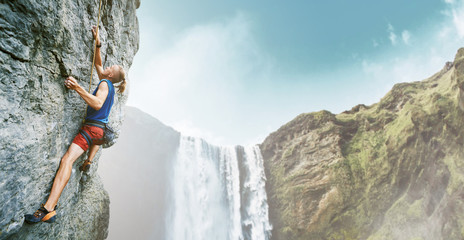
x=217, y=193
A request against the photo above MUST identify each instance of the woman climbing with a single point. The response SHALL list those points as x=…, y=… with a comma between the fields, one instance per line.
x=98, y=110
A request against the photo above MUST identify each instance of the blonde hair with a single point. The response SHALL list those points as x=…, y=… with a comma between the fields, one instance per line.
x=122, y=80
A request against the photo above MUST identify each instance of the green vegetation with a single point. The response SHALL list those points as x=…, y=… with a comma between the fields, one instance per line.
x=386, y=171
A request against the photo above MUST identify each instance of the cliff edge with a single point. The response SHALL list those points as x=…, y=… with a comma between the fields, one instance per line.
x=41, y=43
x=393, y=170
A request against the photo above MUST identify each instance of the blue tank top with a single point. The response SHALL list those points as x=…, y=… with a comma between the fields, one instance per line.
x=102, y=114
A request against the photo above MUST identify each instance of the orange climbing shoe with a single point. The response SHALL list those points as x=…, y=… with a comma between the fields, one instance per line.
x=85, y=166
x=41, y=215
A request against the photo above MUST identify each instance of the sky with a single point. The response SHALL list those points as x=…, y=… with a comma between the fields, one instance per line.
x=232, y=72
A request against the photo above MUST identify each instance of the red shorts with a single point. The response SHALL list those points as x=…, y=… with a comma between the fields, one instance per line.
x=94, y=133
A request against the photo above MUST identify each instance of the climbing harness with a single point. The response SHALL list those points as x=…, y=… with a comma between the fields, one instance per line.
x=108, y=135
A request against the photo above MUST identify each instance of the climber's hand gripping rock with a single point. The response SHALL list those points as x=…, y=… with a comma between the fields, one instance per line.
x=71, y=83
x=95, y=36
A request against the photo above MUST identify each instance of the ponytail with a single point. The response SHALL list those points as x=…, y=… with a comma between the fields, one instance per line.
x=122, y=80
x=122, y=86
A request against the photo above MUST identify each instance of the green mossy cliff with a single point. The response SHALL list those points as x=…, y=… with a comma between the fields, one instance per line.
x=393, y=170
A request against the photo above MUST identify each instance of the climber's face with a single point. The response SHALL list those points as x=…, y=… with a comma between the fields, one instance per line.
x=112, y=72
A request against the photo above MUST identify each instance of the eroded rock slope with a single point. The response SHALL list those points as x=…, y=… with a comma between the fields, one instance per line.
x=42, y=42
x=393, y=170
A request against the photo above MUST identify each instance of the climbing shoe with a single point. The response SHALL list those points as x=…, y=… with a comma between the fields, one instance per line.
x=85, y=166
x=41, y=215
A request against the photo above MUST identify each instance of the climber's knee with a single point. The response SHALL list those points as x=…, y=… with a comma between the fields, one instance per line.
x=74, y=151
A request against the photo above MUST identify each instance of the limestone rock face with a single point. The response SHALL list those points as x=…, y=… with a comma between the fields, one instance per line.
x=393, y=170
x=41, y=43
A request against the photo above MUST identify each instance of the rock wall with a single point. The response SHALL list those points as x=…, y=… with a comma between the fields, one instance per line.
x=42, y=42
x=393, y=170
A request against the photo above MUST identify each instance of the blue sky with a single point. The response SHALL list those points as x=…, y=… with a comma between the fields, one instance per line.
x=234, y=71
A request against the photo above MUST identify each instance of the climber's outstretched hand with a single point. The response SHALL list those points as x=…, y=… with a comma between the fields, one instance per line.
x=71, y=83
x=95, y=36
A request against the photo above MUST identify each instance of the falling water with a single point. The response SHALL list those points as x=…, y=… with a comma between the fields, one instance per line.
x=217, y=193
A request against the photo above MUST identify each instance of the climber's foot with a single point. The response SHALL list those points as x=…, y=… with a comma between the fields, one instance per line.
x=41, y=215
x=85, y=166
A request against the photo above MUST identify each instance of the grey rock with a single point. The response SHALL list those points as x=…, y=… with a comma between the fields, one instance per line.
x=41, y=43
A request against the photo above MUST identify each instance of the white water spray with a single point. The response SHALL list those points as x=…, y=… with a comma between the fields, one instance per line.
x=217, y=193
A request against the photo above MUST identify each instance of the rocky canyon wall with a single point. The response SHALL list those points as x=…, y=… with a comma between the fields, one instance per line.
x=392, y=170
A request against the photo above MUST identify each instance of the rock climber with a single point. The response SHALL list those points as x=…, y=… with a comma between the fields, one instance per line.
x=98, y=110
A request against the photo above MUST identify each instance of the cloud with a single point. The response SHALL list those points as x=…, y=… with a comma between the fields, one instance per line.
x=390, y=28
x=458, y=20
x=432, y=48
x=392, y=36
x=456, y=12
x=406, y=36
x=188, y=128
x=199, y=78
x=383, y=73
x=371, y=68
x=210, y=80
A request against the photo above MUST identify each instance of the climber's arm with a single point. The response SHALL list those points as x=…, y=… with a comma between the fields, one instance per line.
x=98, y=60
x=95, y=102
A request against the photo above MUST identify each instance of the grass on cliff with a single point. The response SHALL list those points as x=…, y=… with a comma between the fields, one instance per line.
x=399, y=146
x=370, y=169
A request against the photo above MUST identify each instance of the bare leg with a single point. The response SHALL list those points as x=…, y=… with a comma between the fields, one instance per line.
x=93, y=150
x=86, y=165
x=63, y=175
